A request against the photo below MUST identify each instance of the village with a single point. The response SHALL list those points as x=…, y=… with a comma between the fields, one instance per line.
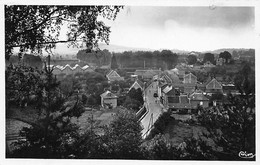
x=156, y=95
x=177, y=89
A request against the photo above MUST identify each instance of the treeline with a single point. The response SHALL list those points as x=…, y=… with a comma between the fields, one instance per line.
x=249, y=52
x=164, y=59
x=102, y=57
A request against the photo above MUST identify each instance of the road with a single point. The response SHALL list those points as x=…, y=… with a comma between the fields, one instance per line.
x=153, y=107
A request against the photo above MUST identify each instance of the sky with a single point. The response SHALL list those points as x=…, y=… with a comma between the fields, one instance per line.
x=184, y=28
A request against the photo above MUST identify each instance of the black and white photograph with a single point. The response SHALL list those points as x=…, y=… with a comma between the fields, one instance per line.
x=130, y=81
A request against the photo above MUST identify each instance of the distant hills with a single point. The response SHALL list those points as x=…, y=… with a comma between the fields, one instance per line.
x=63, y=50
x=230, y=50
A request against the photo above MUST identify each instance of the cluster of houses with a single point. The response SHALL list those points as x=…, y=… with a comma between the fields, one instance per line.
x=177, y=90
x=67, y=69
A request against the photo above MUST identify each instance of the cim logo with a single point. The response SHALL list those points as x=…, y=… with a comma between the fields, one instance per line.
x=244, y=154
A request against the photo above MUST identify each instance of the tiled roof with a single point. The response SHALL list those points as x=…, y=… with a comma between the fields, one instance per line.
x=190, y=78
x=166, y=88
x=140, y=72
x=108, y=94
x=174, y=99
x=213, y=84
x=172, y=92
x=198, y=96
x=113, y=75
x=67, y=66
x=85, y=67
x=138, y=83
x=184, y=99
x=179, y=105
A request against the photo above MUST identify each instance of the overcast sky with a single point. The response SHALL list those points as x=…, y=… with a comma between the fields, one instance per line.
x=185, y=28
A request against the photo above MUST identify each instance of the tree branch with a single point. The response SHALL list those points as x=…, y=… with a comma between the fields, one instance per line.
x=42, y=43
x=47, y=18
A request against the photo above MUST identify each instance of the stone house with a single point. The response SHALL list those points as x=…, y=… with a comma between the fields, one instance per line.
x=198, y=98
x=137, y=84
x=114, y=76
x=108, y=100
x=213, y=86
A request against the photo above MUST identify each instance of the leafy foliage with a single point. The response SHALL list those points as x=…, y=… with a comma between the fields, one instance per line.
x=102, y=57
x=209, y=57
x=225, y=55
x=22, y=85
x=169, y=58
x=192, y=59
x=114, y=64
x=134, y=99
x=159, y=148
x=123, y=136
x=160, y=124
x=46, y=138
x=146, y=59
x=36, y=27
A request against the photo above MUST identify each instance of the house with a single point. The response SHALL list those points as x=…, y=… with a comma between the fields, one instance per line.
x=189, y=88
x=67, y=69
x=87, y=68
x=190, y=79
x=77, y=69
x=179, y=103
x=137, y=84
x=147, y=74
x=108, y=100
x=114, y=76
x=57, y=70
x=198, y=98
x=165, y=77
x=213, y=86
x=172, y=74
x=230, y=88
x=179, y=72
x=169, y=95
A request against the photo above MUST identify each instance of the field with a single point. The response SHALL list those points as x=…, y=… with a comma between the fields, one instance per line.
x=18, y=118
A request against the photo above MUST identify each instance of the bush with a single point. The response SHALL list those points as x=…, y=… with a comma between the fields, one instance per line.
x=160, y=125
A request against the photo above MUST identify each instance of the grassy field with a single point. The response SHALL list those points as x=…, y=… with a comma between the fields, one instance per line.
x=100, y=118
x=17, y=118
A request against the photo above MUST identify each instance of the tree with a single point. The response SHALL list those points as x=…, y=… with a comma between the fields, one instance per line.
x=192, y=59
x=46, y=138
x=232, y=126
x=235, y=53
x=134, y=99
x=159, y=148
x=114, y=64
x=136, y=94
x=169, y=58
x=36, y=27
x=245, y=80
x=122, y=137
x=21, y=83
x=225, y=55
x=209, y=57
